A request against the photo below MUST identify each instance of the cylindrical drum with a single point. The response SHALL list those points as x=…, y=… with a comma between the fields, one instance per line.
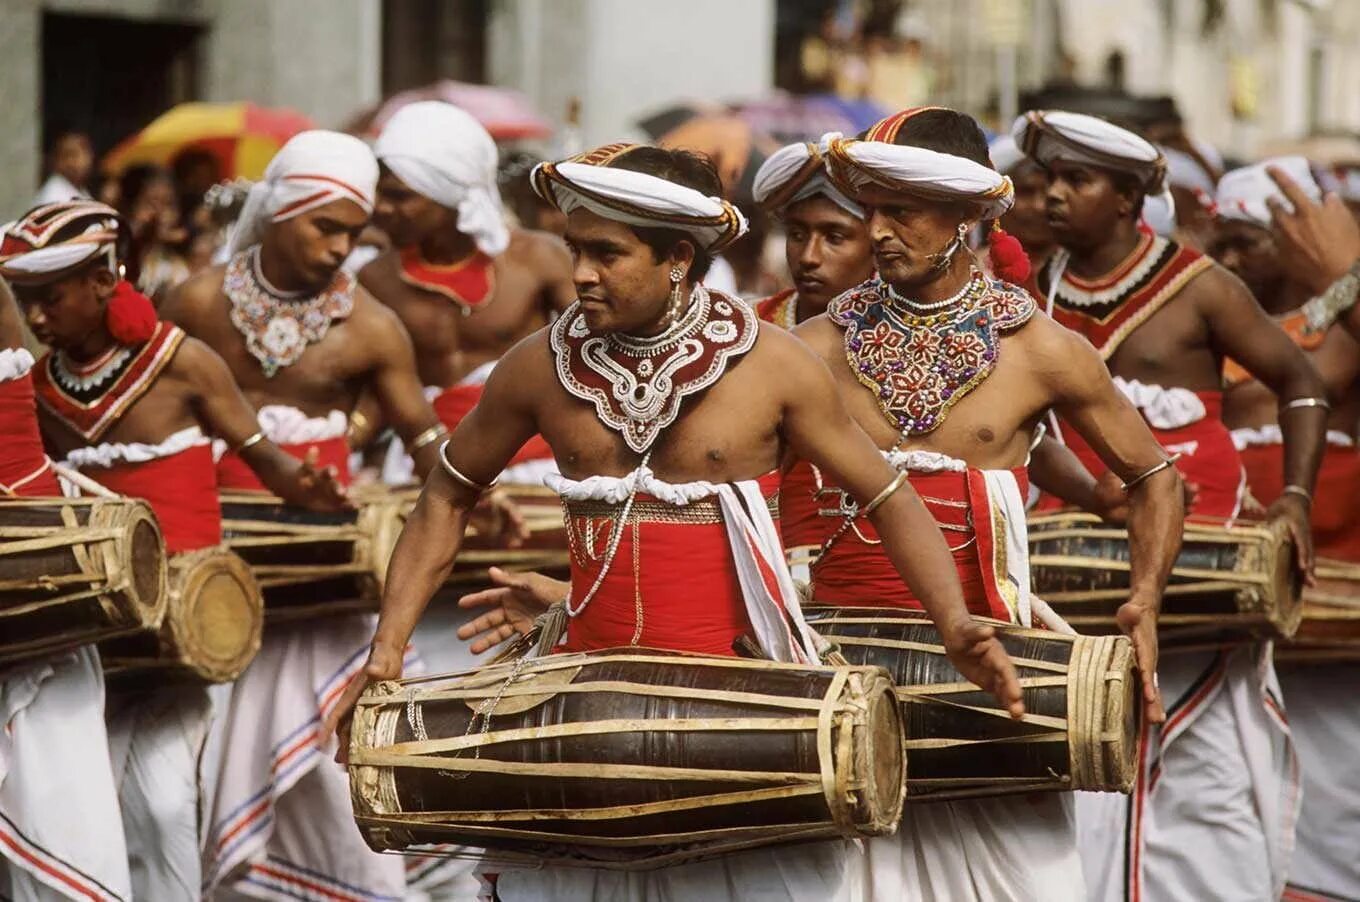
x=1235, y=580
x=74, y=571
x=1081, y=713
x=211, y=629
x=310, y=564
x=1330, y=630
x=627, y=758
x=545, y=551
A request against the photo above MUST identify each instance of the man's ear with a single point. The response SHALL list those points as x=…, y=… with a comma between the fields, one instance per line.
x=682, y=255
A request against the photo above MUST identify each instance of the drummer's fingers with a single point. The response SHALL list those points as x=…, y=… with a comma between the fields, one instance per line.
x=496, y=596
x=492, y=638
x=488, y=621
x=1007, y=685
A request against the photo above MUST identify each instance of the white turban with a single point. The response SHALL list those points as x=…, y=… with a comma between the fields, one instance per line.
x=921, y=172
x=636, y=198
x=1005, y=154
x=1242, y=193
x=29, y=253
x=311, y=170
x=796, y=172
x=1184, y=171
x=1048, y=135
x=444, y=154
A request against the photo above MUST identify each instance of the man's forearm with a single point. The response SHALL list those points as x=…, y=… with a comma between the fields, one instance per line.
x=1304, y=431
x=917, y=548
x=1156, y=519
x=1056, y=470
x=420, y=564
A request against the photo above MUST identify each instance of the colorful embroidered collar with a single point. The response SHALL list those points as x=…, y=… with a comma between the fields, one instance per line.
x=468, y=283
x=920, y=365
x=1107, y=310
x=279, y=326
x=637, y=384
x=89, y=400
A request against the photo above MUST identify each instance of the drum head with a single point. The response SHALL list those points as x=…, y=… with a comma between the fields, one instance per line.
x=216, y=618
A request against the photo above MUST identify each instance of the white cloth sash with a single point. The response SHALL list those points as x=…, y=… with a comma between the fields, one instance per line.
x=15, y=363
x=107, y=454
x=1270, y=434
x=1163, y=408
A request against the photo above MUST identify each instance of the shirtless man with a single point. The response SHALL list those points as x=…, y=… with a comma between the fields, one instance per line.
x=132, y=402
x=1217, y=819
x=1322, y=713
x=643, y=224
x=303, y=341
x=466, y=287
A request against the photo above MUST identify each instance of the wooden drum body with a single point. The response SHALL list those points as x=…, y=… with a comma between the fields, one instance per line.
x=1330, y=631
x=627, y=758
x=1081, y=710
x=1234, y=580
x=211, y=629
x=74, y=571
x=545, y=551
x=309, y=564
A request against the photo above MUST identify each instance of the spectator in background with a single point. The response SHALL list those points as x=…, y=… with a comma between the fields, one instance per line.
x=68, y=164
x=151, y=207
x=1027, y=219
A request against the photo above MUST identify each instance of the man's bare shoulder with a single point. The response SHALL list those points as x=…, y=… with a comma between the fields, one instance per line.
x=1213, y=284
x=542, y=252
x=1046, y=344
x=196, y=297
x=195, y=361
x=374, y=320
x=379, y=273
x=825, y=338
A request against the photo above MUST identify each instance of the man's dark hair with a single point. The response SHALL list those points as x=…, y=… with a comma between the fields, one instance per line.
x=946, y=131
x=692, y=170
x=1128, y=183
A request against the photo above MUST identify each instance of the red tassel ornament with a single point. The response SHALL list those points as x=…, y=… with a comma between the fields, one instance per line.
x=130, y=316
x=1010, y=263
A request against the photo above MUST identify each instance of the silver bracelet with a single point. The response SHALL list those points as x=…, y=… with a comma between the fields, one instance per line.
x=458, y=476
x=884, y=495
x=1298, y=403
x=1149, y=473
x=1299, y=490
x=250, y=443
x=429, y=437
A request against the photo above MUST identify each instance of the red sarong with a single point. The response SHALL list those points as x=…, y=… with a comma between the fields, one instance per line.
x=680, y=574
x=182, y=491
x=234, y=473
x=24, y=467
x=1209, y=461
x=456, y=402
x=855, y=572
x=1336, y=500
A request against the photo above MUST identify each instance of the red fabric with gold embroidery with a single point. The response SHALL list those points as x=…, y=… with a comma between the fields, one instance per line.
x=234, y=473
x=1155, y=272
x=468, y=282
x=456, y=402
x=775, y=308
x=91, y=418
x=854, y=573
x=181, y=489
x=1336, y=514
x=683, y=573
x=1209, y=460
x=21, y=452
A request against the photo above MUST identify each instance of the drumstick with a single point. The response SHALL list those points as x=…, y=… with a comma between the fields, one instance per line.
x=83, y=482
x=1049, y=617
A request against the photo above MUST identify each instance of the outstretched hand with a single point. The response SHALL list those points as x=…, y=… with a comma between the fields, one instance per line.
x=1138, y=621
x=499, y=518
x=976, y=652
x=1318, y=242
x=383, y=664
x=515, y=599
x=316, y=487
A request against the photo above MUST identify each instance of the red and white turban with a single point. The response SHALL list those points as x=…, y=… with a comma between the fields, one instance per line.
x=1242, y=193
x=313, y=169
x=444, y=154
x=923, y=173
x=29, y=252
x=1049, y=135
x=636, y=198
x=796, y=172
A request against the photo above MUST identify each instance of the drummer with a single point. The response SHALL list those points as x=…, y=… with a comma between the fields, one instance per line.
x=466, y=286
x=1319, y=697
x=131, y=401
x=53, y=739
x=1161, y=315
x=303, y=342
x=699, y=459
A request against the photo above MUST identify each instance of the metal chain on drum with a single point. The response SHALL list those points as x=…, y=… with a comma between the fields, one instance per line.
x=415, y=718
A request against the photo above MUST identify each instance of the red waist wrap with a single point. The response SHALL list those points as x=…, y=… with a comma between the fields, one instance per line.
x=1336, y=513
x=234, y=473
x=181, y=489
x=680, y=574
x=856, y=572
x=1209, y=460
x=21, y=451
x=456, y=402
x=800, y=519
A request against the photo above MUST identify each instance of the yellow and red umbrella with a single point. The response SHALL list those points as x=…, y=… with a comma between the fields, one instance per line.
x=241, y=136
